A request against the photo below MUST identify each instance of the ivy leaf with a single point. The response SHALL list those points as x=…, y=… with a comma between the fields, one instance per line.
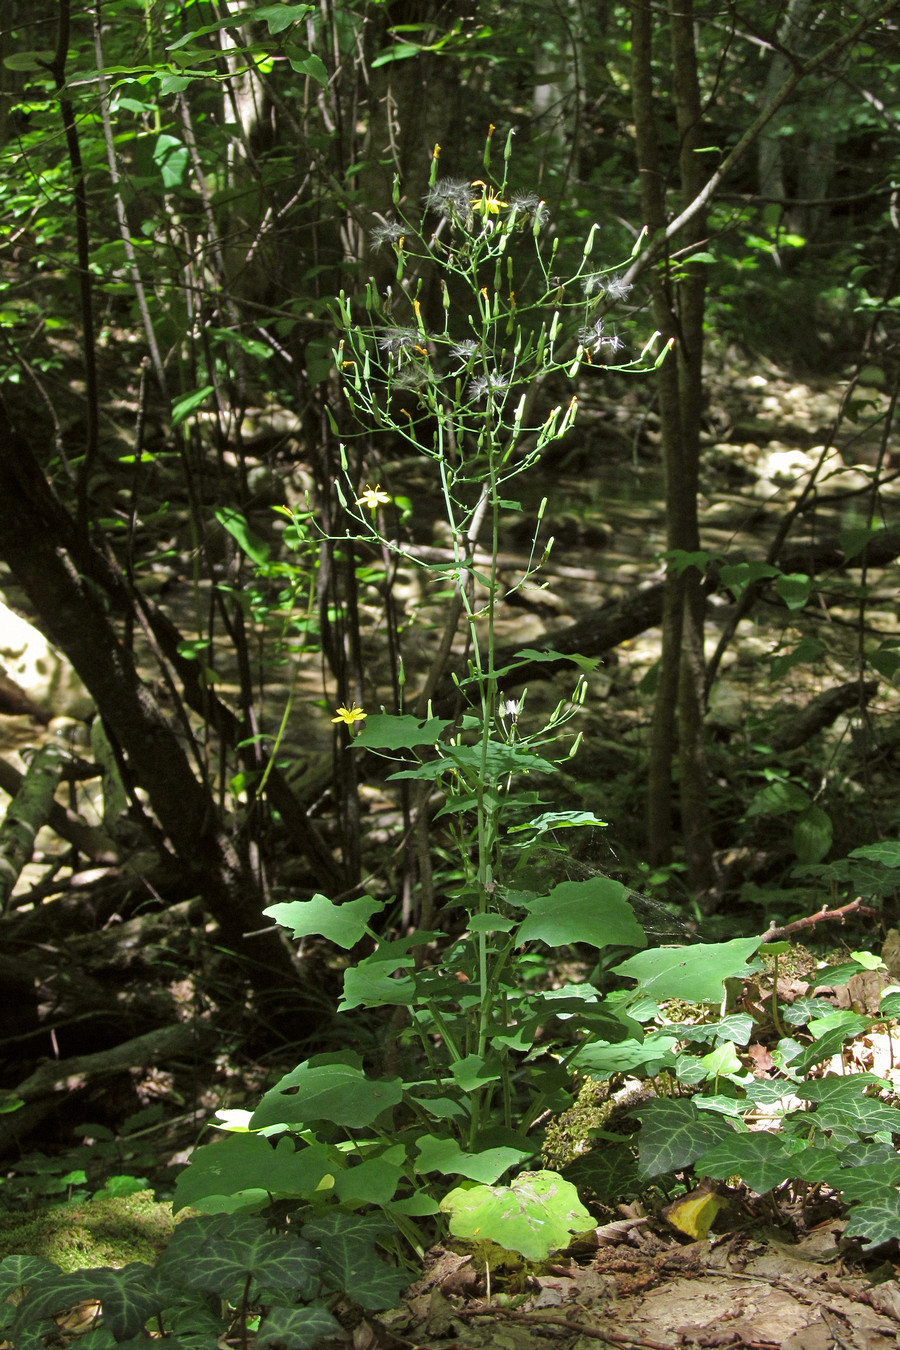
x=234, y=1248
x=841, y=1104
x=18, y=1271
x=247, y=1162
x=695, y=974
x=128, y=1297
x=762, y=1159
x=875, y=1223
x=608, y=1171
x=343, y=924
x=534, y=1216
x=347, y=1243
x=296, y=1328
x=674, y=1134
x=829, y=1040
x=593, y=911
x=327, y=1087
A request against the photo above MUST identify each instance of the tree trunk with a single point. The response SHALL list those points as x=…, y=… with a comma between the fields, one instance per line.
x=72, y=618
x=678, y=312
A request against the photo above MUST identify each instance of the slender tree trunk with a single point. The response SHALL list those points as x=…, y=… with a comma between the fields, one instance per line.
x=678, y=312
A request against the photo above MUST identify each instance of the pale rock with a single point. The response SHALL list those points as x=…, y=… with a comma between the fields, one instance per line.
x=39, y=669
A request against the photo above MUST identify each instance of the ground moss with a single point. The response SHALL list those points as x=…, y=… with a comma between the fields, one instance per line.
x=105, y=1231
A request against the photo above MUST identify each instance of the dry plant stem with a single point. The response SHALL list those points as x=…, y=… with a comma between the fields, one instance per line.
x=853, y=907
x=548, y=1320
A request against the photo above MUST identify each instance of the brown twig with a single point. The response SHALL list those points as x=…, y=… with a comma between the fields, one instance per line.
x=853, y=907
x=550, y=1320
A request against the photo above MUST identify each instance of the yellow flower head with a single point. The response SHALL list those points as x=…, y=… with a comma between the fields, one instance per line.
x=373, y=497
x=349, y=715
x=489, y=203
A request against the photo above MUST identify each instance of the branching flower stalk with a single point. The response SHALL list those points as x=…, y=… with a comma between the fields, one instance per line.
x=459, y=384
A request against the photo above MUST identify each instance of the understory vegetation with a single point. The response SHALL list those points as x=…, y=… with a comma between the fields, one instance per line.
x=453, y=509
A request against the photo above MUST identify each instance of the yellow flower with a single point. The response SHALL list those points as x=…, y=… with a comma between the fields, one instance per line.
x=349, y=715
x=373, y=497
x=489, y=203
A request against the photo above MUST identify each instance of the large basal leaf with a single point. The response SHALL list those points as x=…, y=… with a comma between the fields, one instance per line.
x=296, y=1328
x=446, y=1156
x=373, y=1181
x=593, y=911
x=343, y=924
x=695, y=974
x=674, y=1134
x=651, y=1055
x=350, y=1261
x=534, y=1216
x=245, y=1162
x=327, y=1087
x=761, y=1159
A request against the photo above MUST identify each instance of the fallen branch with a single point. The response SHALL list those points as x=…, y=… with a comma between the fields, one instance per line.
x=40, y=1093
x=570, y=1325
x=800, y=725
x=853, y=907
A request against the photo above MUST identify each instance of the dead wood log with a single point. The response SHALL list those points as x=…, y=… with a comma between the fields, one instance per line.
x=42, y=1091
x=801, y=724
x=90, y=842
x=26, y=814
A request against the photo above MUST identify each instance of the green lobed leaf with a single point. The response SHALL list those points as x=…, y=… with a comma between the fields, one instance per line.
x=343, y=924
x=695, y=974
x=535, y=1215
x=235, y=1248
x=384, y=731
x=17, y=1271
x=243, y=1162
x=594, y=911
x=327, y=1087
x=374, y=1181
x=446, y=1156
x=887, y=852
x=651, y=1056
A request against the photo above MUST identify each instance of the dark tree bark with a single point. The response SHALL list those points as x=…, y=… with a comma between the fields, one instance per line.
x=74, y=620
x=678, y=313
